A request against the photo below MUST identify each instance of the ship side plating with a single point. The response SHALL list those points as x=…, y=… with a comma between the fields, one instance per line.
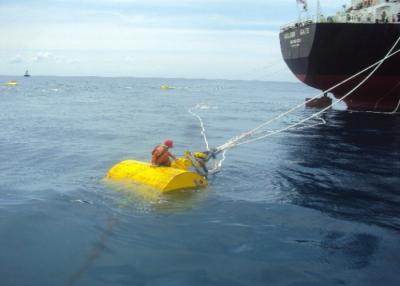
x=324, y=53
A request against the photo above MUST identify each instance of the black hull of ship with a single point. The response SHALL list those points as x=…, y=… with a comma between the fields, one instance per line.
x=324, y=54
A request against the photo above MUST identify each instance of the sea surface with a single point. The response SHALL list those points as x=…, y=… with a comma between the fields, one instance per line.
x=317, y=205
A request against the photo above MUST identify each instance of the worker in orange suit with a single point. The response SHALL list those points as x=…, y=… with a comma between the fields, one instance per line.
x=161, y=155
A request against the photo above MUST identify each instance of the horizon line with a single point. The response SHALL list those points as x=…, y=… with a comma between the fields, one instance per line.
x=151, y=77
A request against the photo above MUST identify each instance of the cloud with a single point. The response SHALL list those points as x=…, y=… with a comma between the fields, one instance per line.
x=39, y=57
x=197, y=38
x=42, y=56
x=181, y=21
x=17, y=59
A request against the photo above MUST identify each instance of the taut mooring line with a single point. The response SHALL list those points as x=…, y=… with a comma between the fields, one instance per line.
x=238, y=140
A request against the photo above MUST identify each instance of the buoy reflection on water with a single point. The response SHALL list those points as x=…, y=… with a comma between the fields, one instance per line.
x=152, y=200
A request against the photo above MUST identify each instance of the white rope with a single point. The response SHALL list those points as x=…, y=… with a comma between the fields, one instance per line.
x=397, y=108
x=217, y=163
x=236, y=140
x=203, y=130
x=379, y=112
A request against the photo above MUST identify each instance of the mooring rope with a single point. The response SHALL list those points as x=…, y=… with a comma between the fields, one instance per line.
x=250, y=133
x=94, y=253
x=217, y=163
x=238, y=140
x=203, y=129
x=397, y=108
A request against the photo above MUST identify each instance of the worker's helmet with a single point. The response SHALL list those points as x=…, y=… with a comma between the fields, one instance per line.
x=169, y=143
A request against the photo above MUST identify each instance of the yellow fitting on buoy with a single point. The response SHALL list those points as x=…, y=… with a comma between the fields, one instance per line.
x=200, y=155
x=165, y=179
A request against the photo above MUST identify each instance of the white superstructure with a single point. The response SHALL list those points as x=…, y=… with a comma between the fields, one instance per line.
x=360, y=11
x=368, y=11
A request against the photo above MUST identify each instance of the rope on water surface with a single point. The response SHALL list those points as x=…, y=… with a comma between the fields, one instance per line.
x=95, y=252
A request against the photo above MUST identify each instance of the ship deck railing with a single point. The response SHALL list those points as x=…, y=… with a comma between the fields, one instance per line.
x=301, y=23
x=304, y=23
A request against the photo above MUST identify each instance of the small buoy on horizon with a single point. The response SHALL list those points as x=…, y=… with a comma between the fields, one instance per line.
x=166, y=87
x=12, y=83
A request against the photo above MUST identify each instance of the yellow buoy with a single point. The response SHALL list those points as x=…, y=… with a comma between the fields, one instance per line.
x=166, y=87
x=12, y=83
x=165, y=179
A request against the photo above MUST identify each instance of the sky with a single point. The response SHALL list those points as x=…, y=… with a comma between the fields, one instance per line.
x=204, y=39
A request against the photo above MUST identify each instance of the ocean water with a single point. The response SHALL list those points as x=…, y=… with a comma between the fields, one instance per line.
x=311, y=206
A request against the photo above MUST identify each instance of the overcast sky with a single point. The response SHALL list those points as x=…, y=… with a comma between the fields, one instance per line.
x=224, y=39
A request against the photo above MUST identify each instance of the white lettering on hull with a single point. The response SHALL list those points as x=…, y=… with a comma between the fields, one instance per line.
x=295, y=42
x=289, y=35
x=294, y=39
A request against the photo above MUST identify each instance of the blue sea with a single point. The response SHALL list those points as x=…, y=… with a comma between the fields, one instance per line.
x=318, y=205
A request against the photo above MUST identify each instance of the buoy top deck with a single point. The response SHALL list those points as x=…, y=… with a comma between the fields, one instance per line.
x=165, y=179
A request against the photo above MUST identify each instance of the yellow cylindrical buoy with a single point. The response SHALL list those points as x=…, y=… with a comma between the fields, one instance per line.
x=12, y=83
x=166, y=87
x=165, y=179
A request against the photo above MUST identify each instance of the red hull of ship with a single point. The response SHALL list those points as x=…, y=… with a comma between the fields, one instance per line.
x=325, y=54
